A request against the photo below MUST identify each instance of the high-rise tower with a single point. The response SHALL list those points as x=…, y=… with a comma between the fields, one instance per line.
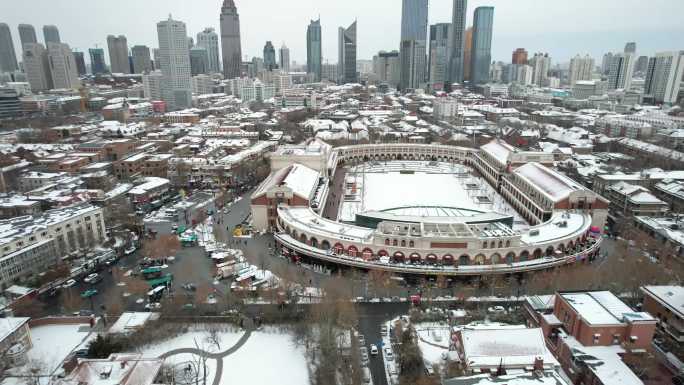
x=51, y=34
x=175, y=63
x=314, y=53
x=481, y=57
x=269, y=56
x=230, y=40
x=347, y=54
x=413, y=47
x=285, y=58
x=8, y=57
x=27, y=34
x=457, y=49
x=118, y=54
x=208, y=39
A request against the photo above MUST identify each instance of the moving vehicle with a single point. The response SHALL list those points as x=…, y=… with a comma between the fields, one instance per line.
x=155, y=294
x=374, y=350
x=69, y=283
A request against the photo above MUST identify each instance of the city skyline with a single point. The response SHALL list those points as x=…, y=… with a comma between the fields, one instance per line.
x=514, y=26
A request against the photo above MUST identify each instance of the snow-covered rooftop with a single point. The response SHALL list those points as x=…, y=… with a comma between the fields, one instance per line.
x=553, y=184
x=602, y=308
x=670, y=296
x=10, y=324
x=510, y=346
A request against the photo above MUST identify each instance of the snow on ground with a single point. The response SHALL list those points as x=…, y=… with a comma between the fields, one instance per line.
x=268, y=358
x=433, y=340
x=228, y=335
x=51, y=345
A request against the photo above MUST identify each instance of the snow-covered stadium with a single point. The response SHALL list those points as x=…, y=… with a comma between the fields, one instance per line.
x=427, y=209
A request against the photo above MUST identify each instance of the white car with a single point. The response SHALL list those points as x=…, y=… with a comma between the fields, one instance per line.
x=152, y=305
x=374, y=350
x=92, y=278
x=389, y=356
x=69, y=283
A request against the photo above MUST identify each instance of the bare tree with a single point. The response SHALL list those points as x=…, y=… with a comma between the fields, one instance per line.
x=213, y=336
x=162, y=246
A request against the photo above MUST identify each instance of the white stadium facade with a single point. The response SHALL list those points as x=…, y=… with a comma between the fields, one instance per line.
x=421, y=209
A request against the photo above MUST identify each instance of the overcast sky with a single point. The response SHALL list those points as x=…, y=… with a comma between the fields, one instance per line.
x=560, y=27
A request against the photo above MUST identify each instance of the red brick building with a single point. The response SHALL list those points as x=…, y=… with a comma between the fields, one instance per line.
x=590, y=332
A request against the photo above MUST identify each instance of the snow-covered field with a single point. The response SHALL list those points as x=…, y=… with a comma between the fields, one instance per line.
x=426, y=190
x=434, y=341
x=268, y=356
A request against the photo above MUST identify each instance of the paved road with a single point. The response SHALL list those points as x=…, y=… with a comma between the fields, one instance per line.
x=249, y=326
x=371, y=317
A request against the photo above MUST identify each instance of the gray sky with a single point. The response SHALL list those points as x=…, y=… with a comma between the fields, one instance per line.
x=560, y=27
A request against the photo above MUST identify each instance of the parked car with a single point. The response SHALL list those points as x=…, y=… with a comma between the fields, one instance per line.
x=429, y=369
x=497, y=309
x=89, y=293
x=362, y=340
x=152, y=306
x=374, y=350
x=389, y=356
x=92, y=278
x=364, y=355
x=366, y=375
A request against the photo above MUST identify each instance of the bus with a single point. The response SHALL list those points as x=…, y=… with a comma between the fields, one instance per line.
x=155, y=294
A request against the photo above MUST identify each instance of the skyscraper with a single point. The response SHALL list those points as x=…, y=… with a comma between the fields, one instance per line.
x=438, y=61
x=199, y=61
x=663, y=77
x=37, y=67
x=314, y=52
x=285, y=58
x=208, y=39
x=118, y=54
x=541, y=63
x=519, y=56
x=230, y=40
x=27, y=34
x=8, y=57
x=80, y=63
x=413, y=46
x=51, y=34
x=457, y=49
x=620, y=72
x=152, y=85
x=467, y=52
x=630, y=47
x=347, y=54
x=581, y=68
x=155, y=56
x=481, y=57
x=606, y=63
x=142, y=62
x=97, y=61
x=270, y=56
x=62, y=66
x=387, y=67
x=641, y=64
x=174, y=58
